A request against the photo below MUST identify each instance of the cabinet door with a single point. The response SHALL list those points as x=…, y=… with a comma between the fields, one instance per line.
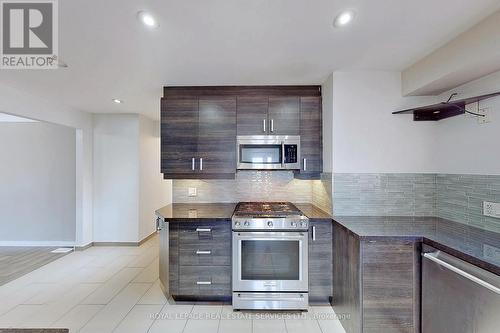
x=217, y=135
x=179, y=135
x=284, y=116
x=252, y=116
x=320, y=261
x=311, y=138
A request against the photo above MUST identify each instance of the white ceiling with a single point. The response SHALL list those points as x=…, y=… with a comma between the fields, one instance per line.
x=217, y=42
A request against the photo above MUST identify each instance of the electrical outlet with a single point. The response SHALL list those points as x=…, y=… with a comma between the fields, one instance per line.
x=192, y=192
x=491, y=252
x=193, y=214
x=491, y=209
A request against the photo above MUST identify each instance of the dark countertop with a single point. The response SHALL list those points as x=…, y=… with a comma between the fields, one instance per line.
x=313, y=212
x=466, y=242
x=190, y=212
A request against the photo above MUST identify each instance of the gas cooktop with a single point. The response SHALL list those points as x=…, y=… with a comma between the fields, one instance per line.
x=266, y=209
x=269, y=216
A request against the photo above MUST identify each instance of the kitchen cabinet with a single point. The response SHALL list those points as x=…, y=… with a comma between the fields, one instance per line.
x=217, y=135
x=198, y=137
x=199, y=126
x=311, y=148
x=377, y=282
x=252, y=115
x=320, y=261
x=179, y=136
x=265, y=115
x=284, y=115
x=199, y=260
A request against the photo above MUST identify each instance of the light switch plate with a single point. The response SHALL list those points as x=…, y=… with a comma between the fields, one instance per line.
x=491, y=209
x=192, y=191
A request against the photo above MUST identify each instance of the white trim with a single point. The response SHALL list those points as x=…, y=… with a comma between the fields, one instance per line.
x=38, y=243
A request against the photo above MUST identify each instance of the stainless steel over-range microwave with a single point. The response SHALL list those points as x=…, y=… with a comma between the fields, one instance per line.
x=268, y=152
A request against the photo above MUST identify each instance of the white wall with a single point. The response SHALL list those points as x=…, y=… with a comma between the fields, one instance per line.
x=21, y=103
x=116, y=182
x=367, y=138
x=155, y=192
x=464, y=146
x=128, y=185
x=38, y=187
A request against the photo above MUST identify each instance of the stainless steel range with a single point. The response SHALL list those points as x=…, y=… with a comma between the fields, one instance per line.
x=270, y=256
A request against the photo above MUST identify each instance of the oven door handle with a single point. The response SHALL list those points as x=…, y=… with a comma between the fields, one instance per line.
x=271, y=235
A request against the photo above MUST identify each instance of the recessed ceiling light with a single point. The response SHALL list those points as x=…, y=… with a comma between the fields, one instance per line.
x=147, y=19
x=344, y=18
x=117, y=101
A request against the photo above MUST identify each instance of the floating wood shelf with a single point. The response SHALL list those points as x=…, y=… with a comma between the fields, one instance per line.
x=445, y=109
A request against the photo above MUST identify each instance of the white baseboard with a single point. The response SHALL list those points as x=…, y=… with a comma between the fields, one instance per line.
x=38, y=243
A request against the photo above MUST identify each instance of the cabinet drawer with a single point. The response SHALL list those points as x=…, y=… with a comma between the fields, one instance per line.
x=205, y=233
x=205, y=280
x=218, y=254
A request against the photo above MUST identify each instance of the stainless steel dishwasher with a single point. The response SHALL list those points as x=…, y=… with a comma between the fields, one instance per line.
x=458, y=297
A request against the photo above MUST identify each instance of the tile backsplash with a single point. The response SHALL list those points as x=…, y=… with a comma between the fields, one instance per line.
x=251, y=186
x=460, y=198
x=455, y=197
x=384, y=194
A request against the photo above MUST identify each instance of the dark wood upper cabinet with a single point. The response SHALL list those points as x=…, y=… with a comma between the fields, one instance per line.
x=179, y=135
x=198, y=137
x=284, y=116
x=217, y=135
x=199, y=126
x=252, y=115
x=311, y=138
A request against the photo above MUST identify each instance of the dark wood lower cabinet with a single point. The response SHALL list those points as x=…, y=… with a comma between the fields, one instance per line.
x=197, y=257
x=376, y=283
x=320, y=261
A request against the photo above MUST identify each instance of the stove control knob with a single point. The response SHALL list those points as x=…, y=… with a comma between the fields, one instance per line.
x=303, y=224
x=269, y=223
x=237, y=224
x=246, y=223
x=294, y=224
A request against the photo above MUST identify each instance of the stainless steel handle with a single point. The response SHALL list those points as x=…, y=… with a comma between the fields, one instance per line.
x=203, y=282
x=282, y=154
x=272, y=235
x=314, y=233
x=272, y=125
x=199, y=252
x=158, y=222
x=264, y=125
x=305, y=164
x=432, y=257
x=192, y=163
x=203, y=230
x=201, y=164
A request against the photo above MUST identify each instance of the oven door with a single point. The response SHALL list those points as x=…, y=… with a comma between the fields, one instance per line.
x=270, y=261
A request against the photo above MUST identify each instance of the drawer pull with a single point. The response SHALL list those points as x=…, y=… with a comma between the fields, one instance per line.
x=204, y=283
x=203, y=252
x=203, y=230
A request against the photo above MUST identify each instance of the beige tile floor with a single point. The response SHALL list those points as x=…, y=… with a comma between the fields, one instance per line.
x=116, y=289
